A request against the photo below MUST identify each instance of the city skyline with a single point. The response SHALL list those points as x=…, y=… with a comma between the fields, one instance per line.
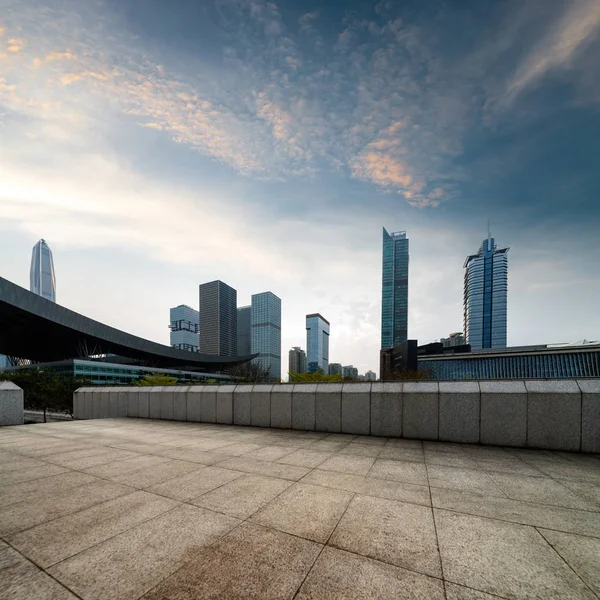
x=155, y=145
x=42, y=279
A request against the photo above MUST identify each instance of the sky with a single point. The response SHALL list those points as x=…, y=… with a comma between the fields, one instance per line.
x=158, y=145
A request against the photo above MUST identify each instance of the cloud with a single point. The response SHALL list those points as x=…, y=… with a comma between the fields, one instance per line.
x=15, y=45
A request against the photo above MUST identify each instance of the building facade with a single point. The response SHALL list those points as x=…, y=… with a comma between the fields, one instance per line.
x=317, y=343
x=184, y=328
x=350, y=372
x=335, y=369
x=485, y=296
x=244, y=337
x=42, y=280
x=454, y=339
x=394, y=289
x=297, y=360
x=265, y=316
x=218, y=319
x=370, y=376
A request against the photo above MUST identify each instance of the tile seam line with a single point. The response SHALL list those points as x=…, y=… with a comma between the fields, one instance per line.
x=437, y=539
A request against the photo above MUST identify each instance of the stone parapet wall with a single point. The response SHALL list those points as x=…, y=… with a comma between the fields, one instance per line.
x=11, y=404
x=551, y=414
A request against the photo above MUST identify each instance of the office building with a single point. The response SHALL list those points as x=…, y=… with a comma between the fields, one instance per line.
x=42, y=280
x=399, y=361
x=485, y=296
x=394, y=289
x=184, y=328
x=370, y=376
x=218, y=319
x=317, y=343
x=454, y=339
x=297, y=362
x=335, y=369
x=265, y=316
x=244, y=337
x=350, y=372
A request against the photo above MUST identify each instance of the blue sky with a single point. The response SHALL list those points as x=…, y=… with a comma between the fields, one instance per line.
x=156, y=145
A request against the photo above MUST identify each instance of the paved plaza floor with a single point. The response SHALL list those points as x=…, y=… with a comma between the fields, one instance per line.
x=120, y=509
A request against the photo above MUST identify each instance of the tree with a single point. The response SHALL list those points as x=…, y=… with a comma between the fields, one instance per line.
x=318, y=377
x=252, y=372
x=156, y=379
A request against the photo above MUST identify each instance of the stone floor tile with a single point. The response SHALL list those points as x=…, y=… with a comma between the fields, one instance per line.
x=397, y=470
x=24, y=581
x=29, y=490
x=398, y=533
x=198, y=456
x=460, y=592
x=271, y=453
x=191, y=485
x=526, y=513
x=449, y=459
x=8, y=556
x=339, y=575
x=209, y=445
x=345, y=463
x=29, y=474
x=264, y=467
x=67, y=447
x=356, y=449
x=380, y=488
x=305, y=458
x=443, y=447
x=325, y=446
x=371, y=440
x=515, y=466
x=26, y=514
x=84, y=462
x=62, y=538
x=570, y=471
x=242, y=497
x=132, y=563
x=467, y=480
x=125, y=466
x=542, y=490
x=304, y=510
x=251, y=562
x=400, y=453
x=581, y=553
x=505, y=559
x=586, y=489
x=239, y=448
x=16, y=462
x=156, y=474
x=402, y=443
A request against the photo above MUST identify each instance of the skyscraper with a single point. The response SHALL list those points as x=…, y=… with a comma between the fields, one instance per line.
x=317, y=343
x=244, y=337
x=394, y=289
x=485, y=297
x=265, y=316
x=335, y=369
x=297, y=362
x=218, y=319
x=42, y=280
x=184, y=328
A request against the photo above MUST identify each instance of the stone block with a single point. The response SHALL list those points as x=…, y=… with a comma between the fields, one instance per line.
x=180, y=402
x=303, y=406
x=281, y=406
x=590, y=415
x=143, y=403
x=241, y=404
x=386, y=409
x=554, y=414
x=78, y=403
x=420, y=410
x=89, y=398
x=356, y=408
x=459, y=411
x=166, y=402
x=209, y=404
x=123, y=404
x=260, y=406
x=97, y=395
x=328, y=407
x=110, y=396
x=503, y=413
x=225, y=403
x=154, y=393
x=193, y=399
x=11, y=404
x=133, y=402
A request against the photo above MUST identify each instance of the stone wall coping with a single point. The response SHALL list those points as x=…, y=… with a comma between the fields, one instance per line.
x=261, y=387
x=589, y=386
x=420, y=386
x=552, y=386
x=329, y=388
x=459, y=387
x=395, y=387
x=502, y=387
x=356, y=388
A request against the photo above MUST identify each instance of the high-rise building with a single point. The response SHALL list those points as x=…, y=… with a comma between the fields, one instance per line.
x=244, y=337
x=265, y=316
x=297, y=362
x=218, y=319
x=370, y=376
x=485, y=296
x=42, y=280
x=454, y=339
x=184, y=328
x=317, y=343
x=394, y=289
x=350, y=371
x=335, y=369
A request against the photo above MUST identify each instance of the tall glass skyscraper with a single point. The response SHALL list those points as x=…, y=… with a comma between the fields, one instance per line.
x=184, y=328
x=218, y=319
x=244, y=336
x=317, y=343
x=297, y=360
x=265, y=316
x=394, y=289
x=42, y=280
x=485, y=297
